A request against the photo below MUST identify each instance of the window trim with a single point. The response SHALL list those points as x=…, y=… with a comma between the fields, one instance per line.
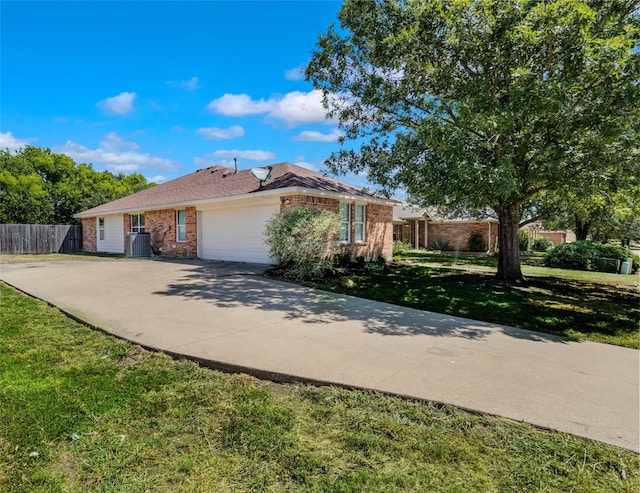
x=101, y=230
x=344, y=222
x=363, y=222
x=181, y=228
x=137, y=228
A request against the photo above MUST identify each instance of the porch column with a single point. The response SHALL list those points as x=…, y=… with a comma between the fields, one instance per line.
x=426, y=234
x=417, y=240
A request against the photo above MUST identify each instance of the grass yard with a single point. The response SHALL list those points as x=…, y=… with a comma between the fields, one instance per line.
x=597, y=307
x=83, y=411
x=532, y=265
x=57, y=257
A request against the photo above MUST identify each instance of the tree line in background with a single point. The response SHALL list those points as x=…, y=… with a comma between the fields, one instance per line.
x=38, y=186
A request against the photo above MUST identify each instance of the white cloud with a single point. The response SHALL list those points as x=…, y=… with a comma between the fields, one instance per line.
x=299, y=107
x=314, y=136
x=116, y=154
x=113, y=142
x=237, y=105
x=304, y=164
x=255, y=155
x=190, y=85
x=121, y=104
x=295, y=73
x=8, y=141
x=294, y=107
x=157, y=179
x=214, y=133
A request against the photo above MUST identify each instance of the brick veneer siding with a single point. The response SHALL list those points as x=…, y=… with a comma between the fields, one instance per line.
x=157, y=223
x=313, y=203
x=557, y=237
x=457, y=234
x=378, y=227
x=89, y=235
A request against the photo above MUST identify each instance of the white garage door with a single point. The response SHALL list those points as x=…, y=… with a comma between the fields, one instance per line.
x=235, y=234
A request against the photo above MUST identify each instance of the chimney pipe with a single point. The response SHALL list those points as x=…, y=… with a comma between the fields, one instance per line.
x=235, y=164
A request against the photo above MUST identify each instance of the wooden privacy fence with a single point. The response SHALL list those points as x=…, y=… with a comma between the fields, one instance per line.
x=40, y=238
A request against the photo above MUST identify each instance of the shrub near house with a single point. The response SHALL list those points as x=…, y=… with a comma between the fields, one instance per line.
x=586, y=255
x=303, y=240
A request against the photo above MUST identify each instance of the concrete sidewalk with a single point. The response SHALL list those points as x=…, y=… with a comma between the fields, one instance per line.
x=233, y=318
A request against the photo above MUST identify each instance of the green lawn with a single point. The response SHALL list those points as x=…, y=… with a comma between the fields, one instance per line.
x=595, y=306
x=532, y=265
x=58, y=257
x=82, y=411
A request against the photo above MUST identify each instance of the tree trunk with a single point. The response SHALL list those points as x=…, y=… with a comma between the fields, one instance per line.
x=509, y=255
x=582, y=229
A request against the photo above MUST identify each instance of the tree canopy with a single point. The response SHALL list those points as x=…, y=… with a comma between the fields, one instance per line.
x=41, y=187
x=483, y=103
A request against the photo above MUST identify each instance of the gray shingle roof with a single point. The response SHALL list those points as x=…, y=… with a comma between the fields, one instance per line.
x=409, y=212
x=219, y=182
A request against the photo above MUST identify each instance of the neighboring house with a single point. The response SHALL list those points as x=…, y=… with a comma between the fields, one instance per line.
x=220, y=214
x=557, y=236
x=424, y=227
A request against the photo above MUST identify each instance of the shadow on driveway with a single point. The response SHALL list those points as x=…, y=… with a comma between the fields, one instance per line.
x=226, y=289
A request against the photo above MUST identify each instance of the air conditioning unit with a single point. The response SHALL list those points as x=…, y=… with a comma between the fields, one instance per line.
x=137, y=245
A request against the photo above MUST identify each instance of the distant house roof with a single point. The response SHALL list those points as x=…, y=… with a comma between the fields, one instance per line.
x=218, y=182
x=407, y=212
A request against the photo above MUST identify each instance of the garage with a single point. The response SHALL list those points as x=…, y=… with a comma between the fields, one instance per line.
x=235, y=233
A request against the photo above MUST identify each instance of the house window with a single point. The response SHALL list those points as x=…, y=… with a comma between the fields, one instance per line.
x=137, y=223
x=181, y=226
x=345, y=223
x=101, y=229
x=358, y=223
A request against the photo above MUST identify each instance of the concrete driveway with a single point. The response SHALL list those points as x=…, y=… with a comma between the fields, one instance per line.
x=231, y=317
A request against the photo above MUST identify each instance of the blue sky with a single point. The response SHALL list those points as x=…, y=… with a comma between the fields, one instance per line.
x=164, y=88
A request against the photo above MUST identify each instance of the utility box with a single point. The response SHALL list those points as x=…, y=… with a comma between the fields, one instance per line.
x=627, y=266
x=138, y=245
x=604, y=264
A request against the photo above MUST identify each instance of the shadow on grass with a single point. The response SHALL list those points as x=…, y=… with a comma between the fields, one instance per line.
x=226, y=289
x=556, y=306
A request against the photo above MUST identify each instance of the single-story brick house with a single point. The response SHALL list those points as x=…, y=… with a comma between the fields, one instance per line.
x=220, y=213
x=424, y=227
x=557, y=236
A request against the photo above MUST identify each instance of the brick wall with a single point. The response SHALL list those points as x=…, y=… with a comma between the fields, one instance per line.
x=89, y=235
x=313, y=203
x=157, y=222
x=457, y=234
x=557, y=237
x=378, y=228
x=378, y=234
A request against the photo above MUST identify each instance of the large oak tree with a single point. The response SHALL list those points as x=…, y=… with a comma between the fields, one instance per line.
x=483, y=103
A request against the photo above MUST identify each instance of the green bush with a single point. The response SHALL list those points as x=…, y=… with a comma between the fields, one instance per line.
x=401, y=247
x=440, y=245
x=477, y=243
x=523, y=240
x=587, y=255
x=542, y=245
x=303, y=241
